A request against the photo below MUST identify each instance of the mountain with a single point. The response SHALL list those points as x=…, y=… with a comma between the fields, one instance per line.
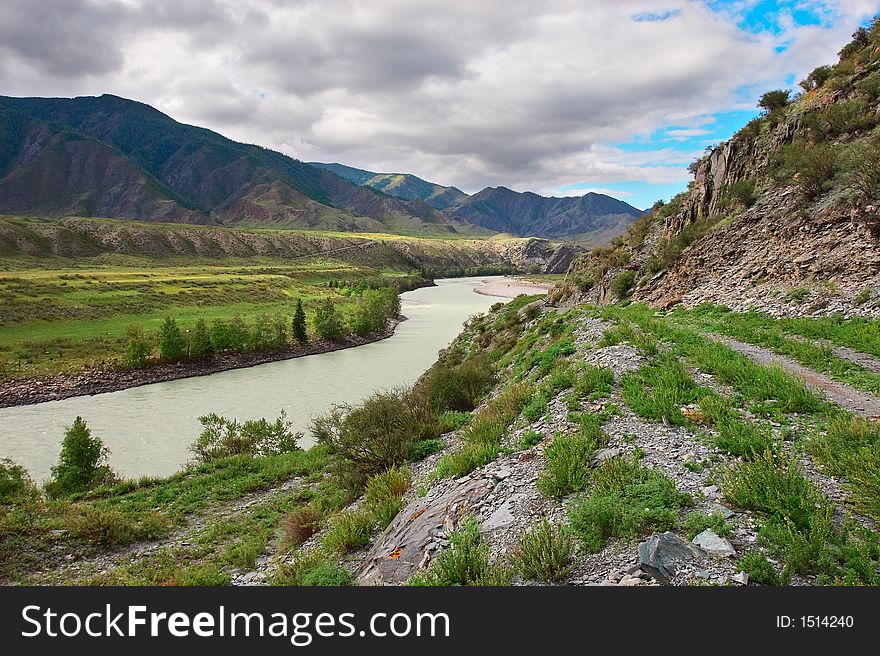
x=595, y=217
x=782, y=218
x=108, y=156
x=399, y=185
x=116, y=158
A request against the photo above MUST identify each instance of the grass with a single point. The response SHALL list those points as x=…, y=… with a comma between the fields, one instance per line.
x=758, y=568
x=64, y=319
x=545, y=553
x=483, y=435
x=850, y=448
x=798, y=523
x=771, y=333
x=464, y=562
x=696, y=522
x=625, y=500
x=658, y=390
x=567, y=466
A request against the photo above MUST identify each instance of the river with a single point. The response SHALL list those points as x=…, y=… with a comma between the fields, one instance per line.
x=148, y=429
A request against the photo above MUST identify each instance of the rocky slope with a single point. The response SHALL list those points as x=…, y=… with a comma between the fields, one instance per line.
x=782, y=218
x=79, y=238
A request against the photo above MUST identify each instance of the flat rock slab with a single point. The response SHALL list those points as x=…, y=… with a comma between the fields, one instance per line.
x=659, y=555
x=418, y=532
x=714, y=545
x=503, y=516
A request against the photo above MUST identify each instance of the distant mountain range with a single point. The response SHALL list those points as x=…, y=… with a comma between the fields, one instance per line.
x=111, y=157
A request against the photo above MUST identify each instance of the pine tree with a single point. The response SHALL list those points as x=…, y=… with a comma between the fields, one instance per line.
x=298, y=325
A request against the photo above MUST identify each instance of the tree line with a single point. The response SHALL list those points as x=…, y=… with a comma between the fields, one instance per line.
x=264, y=332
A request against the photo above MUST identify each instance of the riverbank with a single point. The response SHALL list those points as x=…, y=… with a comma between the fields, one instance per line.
x=30, y=391
x=512, y=287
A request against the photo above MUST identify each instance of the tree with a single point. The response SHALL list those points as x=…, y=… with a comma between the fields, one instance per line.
x=817, y=78
x=138, y=348
x=298, y=325
x=172, y=345
x=200, y=345
x=328, y=323
x=82, y=464
x=774, y=100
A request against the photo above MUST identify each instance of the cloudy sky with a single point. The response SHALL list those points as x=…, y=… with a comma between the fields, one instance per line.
x=558, y=96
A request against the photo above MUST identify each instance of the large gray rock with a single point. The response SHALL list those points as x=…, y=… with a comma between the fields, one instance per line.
x=659, y=555
x=714, y=545
x=503, y=516
x=418, y=531
x=602, y=455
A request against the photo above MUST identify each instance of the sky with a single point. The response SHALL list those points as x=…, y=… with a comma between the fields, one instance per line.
x=559, y=97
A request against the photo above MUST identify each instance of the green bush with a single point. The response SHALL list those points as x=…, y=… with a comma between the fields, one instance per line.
x=536, y=408
x=384, y=494
x=545, y=553
x=424, y=448
x=378, y=434
x=328, y=324
x=14, y=482
x=464, y=562
x=452, y=420
x=222, y=437
x=348, y=531
x=816, y=78
x=567, y=467
x=137, y=349
x=625, y=500
x=810, y=166
x=758, y=568
x=529, y=439
x=742, y=192
x=200, y=345
x=459, y=387
x=774, y=100
x=172, y=345
x=623, y=283
x=110, y=527
x=82, y=464
x=326, y=574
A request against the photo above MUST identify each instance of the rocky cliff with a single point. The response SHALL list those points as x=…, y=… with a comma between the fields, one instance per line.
x=783, y=217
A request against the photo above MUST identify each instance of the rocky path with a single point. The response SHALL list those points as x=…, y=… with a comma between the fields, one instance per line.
x=856, y=401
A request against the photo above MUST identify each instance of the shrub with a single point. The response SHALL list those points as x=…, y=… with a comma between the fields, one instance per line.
x=378, y=434
x=625, y=500
x=743, y=192
x=82, y=464
x=459, y=388
x=544, y=553
x=348, y=531
x=843, y=117
x=623, y=284
x=797, y=295
x=172, y=345
x=424, y=448
x=529, y=439
x=14, y=482
x=299, y=525
x=536, y=408
x=137, y=349
x=110, y=527
x=758, y=568
x=326, y=574
x=200, y=345
x=774, y=100
x=328, y=323
x=861, y=163
x=300, y=568
x=384, y=494
x=697, y=522
x=567, y=469
x=452, y=420
x=810, y=166
x=222, y=437
x=862, y=297
x=464, y=562
x=816, y=78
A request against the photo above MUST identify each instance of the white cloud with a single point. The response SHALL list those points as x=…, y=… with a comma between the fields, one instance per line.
x=466, y=93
